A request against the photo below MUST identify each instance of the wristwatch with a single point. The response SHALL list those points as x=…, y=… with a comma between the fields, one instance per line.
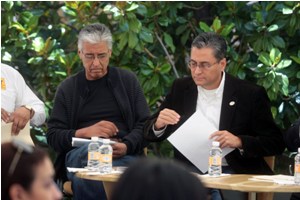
x=30, y=109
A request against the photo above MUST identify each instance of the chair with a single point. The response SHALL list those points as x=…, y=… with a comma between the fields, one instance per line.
x=67, y=188
x=270, y=160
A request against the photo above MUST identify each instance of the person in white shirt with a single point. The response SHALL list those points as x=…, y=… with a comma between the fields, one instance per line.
x=18, y=103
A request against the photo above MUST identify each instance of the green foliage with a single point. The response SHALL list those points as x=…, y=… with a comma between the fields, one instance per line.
x=153, y=40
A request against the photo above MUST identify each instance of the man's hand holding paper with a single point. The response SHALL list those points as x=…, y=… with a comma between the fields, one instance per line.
x=226, y=139
x=192, y=139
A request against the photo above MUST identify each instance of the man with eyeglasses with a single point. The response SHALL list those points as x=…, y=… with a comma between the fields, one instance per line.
x=238, y=109
x=102, y=101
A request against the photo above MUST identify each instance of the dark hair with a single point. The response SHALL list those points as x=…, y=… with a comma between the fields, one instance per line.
x=24, y=171
x=154, y=179
x=211, y=40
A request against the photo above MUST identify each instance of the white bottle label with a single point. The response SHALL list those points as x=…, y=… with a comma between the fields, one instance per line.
x=93, y=155
x=105, y=158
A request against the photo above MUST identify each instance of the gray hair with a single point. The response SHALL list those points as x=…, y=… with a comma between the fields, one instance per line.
x=211, y=40
x=95, y=33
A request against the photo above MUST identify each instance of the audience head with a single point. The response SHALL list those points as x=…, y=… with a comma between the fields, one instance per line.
x=149, y=179
x=27, y=173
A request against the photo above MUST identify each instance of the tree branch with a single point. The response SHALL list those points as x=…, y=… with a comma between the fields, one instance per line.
x=168, y=55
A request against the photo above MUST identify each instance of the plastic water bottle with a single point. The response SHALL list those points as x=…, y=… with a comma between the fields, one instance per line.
x=105, y=157
x=297, y=168
x=93, y=154
x=215, y=160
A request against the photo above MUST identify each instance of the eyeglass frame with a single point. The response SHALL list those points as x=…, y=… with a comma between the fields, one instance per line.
x=100, y=56
x=200, y=64
x=21, y=147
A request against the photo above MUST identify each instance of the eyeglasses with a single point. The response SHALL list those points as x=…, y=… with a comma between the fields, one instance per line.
x=92, y=57
x=21, y=147
x=202, y=65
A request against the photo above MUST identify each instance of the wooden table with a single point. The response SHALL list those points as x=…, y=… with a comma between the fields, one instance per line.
x=241, y=182
x=109, y=180
x=236, y=182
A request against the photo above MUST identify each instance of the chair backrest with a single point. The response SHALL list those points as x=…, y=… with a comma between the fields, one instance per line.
x=270, y=160
x=145, y=151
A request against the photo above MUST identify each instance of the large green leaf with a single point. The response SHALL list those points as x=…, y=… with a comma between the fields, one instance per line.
x=135, y=25
x=284, y=63
x=216, y=24
x=278, y=41
x=132, y=7
x=205, y=27
x=38, y=44
x=165, y=68
x=275, y=55
x=265, y=59
x=146, y=36
x=273, y=27
x=169, y=41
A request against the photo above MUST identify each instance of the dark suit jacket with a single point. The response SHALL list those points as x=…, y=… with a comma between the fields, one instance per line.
x=249, y=118
x=292, y=138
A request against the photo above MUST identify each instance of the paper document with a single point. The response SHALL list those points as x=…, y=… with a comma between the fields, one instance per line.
x=115, y=170
x=74, y=169
x=24, y=134
x=78, y=142
x=279, y=179
x=191, y=139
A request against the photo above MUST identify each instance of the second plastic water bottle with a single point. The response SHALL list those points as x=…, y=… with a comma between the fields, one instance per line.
x=297, y=168
x=93, y=154
x=105, y=157
x=215, y=160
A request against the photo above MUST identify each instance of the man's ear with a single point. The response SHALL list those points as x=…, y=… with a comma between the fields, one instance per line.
x=79, y=53
x=223, y=63
x=109, y=52
x=17, y=192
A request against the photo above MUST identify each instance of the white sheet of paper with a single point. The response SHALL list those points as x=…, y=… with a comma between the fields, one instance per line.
x=78, y=142
x=191, y=139
x=24, y=134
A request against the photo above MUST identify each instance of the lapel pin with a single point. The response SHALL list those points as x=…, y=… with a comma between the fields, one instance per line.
x=231, y=103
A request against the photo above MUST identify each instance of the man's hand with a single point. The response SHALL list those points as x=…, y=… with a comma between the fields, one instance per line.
x=226, y=139
x=166, y=117
x=119, y=149
x=4, y=115
x=19, y=118
x=104, y=129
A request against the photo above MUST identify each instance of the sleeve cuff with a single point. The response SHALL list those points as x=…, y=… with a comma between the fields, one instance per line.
x=159, y=132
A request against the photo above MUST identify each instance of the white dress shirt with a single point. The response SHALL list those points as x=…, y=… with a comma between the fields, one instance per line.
x=210, y=102
x=15, y=93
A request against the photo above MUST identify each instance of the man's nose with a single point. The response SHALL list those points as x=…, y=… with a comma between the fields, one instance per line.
x=199, y=70
x=96, y=61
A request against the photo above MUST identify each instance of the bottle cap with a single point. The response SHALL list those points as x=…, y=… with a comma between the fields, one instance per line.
x=106, y=141
x=215, y=144
x=95, y=138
